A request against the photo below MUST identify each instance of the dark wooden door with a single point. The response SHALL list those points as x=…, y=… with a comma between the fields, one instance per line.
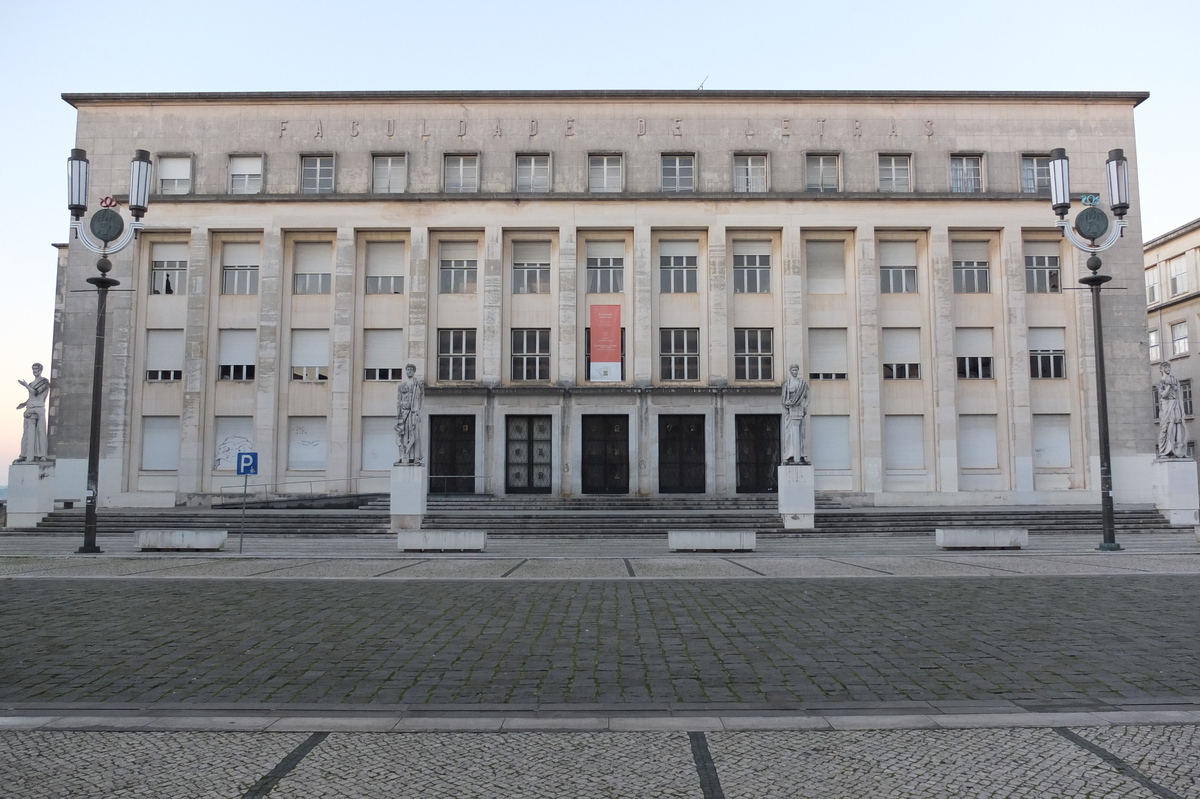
x=527, y=454
x=452, y=455
x=605, y=462
x=757, y=453
x=681, y=454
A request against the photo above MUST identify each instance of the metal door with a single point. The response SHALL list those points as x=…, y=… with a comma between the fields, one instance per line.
x=757, y=453
x=527, y=454
x=605, y=462
x=452, y=455
x=681, y=454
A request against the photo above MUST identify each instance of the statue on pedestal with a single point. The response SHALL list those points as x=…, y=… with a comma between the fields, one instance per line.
x=795, y=416
x=33, y=437
x=410, y=396
x=1172, y=437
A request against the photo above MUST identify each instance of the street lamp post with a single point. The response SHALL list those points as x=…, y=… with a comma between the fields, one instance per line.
x=1091, y=234
x=111, y=236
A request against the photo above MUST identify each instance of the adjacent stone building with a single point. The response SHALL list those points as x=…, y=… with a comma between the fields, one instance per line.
x=603, y=292
x=1173, y=305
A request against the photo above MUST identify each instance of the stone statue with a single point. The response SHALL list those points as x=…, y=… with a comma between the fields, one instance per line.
x=410, y=396
x=1172, y=437
x=795, y=416
x=33, y=437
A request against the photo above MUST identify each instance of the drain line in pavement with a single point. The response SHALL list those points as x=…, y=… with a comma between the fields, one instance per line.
x=1120, y=765
x=514, y=568
x=706, y=769
x=263, y=787
x=629, y=567
x=744, y=566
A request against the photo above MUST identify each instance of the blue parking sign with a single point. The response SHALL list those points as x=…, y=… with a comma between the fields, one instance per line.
x=247, y=463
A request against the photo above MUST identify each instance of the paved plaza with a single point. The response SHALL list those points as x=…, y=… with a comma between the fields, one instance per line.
x=811, y=667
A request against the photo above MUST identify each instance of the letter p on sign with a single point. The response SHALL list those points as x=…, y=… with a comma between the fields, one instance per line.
x=247, y=463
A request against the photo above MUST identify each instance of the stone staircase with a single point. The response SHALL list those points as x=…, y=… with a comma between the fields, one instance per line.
x=612, y=516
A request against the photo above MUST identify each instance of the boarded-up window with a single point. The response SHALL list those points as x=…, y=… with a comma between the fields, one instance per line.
x=307, y=444
x=379, y=449
x=1051, y=441
x=977, y=442
x=903, y=442
x=827, y=353
x=160, y=443
x=234, y=434
x=831, y=442
x=826, y=267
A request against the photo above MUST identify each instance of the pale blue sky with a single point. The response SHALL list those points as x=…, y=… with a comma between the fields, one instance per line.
x=50, y=47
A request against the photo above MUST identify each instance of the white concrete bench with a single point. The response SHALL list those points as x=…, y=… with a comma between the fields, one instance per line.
x=711, y=540
x=981, y=537
x=441, y=540
x=181, y=540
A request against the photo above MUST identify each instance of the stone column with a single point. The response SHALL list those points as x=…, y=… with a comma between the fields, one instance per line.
x=1020, y=434
x=345, y=380
x=270, y=431
x=492, y=327
x=870, y=389
x=943, y=423
x=193, y=421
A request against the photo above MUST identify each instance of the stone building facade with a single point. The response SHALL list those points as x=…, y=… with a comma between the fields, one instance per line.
x=1172, y=263
x=301, y=248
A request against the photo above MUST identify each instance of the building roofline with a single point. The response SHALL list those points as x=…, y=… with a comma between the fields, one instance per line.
x=669, y=95
x=1182, y=230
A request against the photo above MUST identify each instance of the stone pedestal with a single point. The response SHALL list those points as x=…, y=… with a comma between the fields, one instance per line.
x=797, y=496
x=1176, y=491
x=408, y=496
x=30, y=492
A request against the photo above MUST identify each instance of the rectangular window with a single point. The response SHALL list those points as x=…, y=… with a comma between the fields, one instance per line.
x=821, y=172
x=174, y=175
x=897, y=267
x=677, y=269
x=168, y=268
x=680, y=353
x=531, y=354
x=749, y=173
x=245, y=174
x=1042, y=269
x=533, y=173
x=234, y=434
x=310, y=355
x=903, y=443
x=1051, y=441
x=459, y=267
x=1035, y=173
x=160, y=443
x=604, y=173
x=383, y=354
x=679, y=173
x=385, y=267
x=312, y=268
x=894, y=173
x=977, y=447
x=1047, y=352
x=307, y=443
x=970, y=262
x=751, y=267
x=901, y=353
x=827, y=353
x=973, y=348
x=389, y=174
x=456, y=354
x=1178, y=272
x=531, y=267
x=1155, y=346
x=605, y=267
x=316, y=174
x=966, y=173
x=237, y=353
x=1185, y=395
x=587, y=352
x=1179, y=339
x=1152, y=291
x=752, y=354
x=164, y=355
x=461, y=173
x=830, y=442
x=239, y=267
x=826, y=262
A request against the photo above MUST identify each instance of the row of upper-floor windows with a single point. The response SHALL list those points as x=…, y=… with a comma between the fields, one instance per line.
x=678, y=267
x=1173, y=277
x=606, y=172
x=679, y=350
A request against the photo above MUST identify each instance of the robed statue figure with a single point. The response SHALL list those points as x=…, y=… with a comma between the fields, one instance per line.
x=795, y=416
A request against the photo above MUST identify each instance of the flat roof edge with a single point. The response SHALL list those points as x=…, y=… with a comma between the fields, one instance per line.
x=125, y=98
x=1182, y=230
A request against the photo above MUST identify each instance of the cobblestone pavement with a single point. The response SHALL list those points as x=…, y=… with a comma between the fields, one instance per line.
x=1151, y=762
x=761, y=643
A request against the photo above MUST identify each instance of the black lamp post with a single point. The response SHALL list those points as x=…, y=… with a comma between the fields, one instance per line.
x=109, y=228
x=1088, y=235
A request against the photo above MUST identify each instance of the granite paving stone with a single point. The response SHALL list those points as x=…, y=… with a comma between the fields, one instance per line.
x=1168, y=755
x=761, y=642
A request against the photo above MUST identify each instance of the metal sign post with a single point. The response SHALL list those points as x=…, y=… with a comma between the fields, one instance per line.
x=247, y=464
